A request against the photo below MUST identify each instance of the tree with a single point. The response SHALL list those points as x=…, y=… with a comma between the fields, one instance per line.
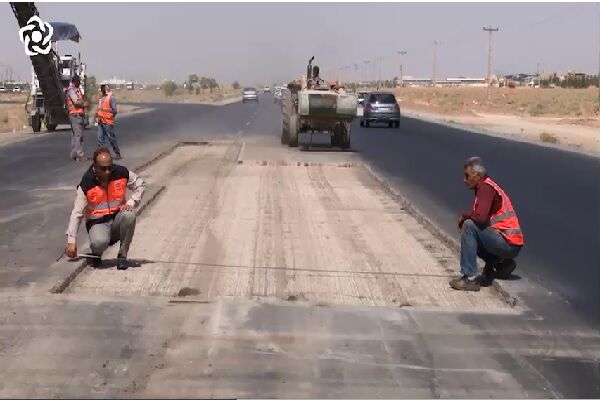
x=236, y=85
x=91, y=87
x=212, y=84
x=204, y=83
x=168, y=88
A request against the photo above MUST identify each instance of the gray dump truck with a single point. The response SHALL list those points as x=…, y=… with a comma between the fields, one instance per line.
x=314, y=108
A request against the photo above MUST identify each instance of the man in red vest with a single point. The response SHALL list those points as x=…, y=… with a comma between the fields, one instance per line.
x=105, y=116
x=109, y=217
x=490, y=230
x=76, y=108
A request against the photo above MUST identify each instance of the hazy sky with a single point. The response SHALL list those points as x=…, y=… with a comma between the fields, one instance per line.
x=271, y=42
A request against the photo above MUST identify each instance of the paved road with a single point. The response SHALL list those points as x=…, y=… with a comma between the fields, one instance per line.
x=142, y=346
x=555, y=192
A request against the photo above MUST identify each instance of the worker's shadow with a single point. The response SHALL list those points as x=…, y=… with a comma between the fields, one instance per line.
x=512, y=277
x=112, y=263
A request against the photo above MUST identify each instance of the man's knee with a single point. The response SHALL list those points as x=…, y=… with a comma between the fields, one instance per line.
x=469, y=226
x=98, y=244
x=127, y=218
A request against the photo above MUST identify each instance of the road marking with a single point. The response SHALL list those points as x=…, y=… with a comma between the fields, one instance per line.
x=239, y=132
x=248, y=123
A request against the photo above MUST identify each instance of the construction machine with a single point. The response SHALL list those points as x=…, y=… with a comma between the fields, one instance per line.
x=316, y=108
x=51, y=74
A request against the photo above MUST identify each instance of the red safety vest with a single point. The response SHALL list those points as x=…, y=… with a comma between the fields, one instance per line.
x=71, y=107
x=505, y=219
x=103, y=202
x=105, y=114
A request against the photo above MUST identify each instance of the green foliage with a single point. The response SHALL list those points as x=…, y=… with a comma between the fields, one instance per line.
x=168, y=88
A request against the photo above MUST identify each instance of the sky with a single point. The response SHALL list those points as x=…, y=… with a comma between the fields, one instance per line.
x=255, y=43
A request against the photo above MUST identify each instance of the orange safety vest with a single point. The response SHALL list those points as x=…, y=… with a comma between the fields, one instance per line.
x=505, y=219
x=104, y=203
x=105, y=114
x=71, y=107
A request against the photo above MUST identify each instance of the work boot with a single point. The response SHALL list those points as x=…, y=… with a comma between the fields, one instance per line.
x=505, y=268
x=487, y=276
x=122, y=263
x=464, y=283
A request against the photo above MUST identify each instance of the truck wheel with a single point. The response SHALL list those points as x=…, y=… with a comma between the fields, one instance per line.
x=51, y=127
x=36, y=123
x=390, y=124
x=397, y=124
x=362, y=123
x=293, y=130
x=344, y=136
x=367, y=124
x=284, y=132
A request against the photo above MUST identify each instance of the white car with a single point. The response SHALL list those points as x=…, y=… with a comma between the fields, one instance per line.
x=267, y=89
x=16, y=89
x=2, y=89
x=250, y=94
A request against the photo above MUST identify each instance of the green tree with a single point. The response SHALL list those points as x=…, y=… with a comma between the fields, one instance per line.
x=168, y=88
x=212, y=84
x=91, y=87
x=236, y=85
x=204, y=83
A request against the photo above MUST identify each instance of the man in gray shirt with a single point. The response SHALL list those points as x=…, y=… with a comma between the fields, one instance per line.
x=109, y=217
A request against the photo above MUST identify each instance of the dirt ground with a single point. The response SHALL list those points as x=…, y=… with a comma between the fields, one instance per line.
x=565, y=117
x=157, y=96
x=323, y=234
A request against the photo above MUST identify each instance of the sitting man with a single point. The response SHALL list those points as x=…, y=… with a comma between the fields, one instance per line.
x=490, y=230
x=109, y=218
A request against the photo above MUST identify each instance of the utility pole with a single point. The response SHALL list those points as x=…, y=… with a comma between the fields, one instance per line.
x=489, y=30
x=538, y=76
x=435, y=44
x=401, y=53
x=366, y=70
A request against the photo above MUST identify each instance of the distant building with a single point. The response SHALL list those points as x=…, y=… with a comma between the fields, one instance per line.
x=460, y=81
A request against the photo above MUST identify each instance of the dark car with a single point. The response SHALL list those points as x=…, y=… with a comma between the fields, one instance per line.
x=381, y=107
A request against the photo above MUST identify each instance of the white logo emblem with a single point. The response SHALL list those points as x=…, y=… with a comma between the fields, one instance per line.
x=36, y=36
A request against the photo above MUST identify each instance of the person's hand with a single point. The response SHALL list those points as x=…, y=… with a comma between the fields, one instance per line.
x=71, y=250
x=127, y=207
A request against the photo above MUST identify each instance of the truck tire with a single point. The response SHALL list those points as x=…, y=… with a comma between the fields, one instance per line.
x=284, y=131
x=51, y=127
x=345, y=137
x=293, y=130
x=36, y=123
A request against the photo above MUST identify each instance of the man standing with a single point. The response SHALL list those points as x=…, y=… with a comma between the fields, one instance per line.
x=315, y=80
x=76, y=109
x=490, y=230
x=109, y=218
x=105, y=116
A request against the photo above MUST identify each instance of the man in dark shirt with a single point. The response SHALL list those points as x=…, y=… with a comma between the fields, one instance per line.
x=489, y=230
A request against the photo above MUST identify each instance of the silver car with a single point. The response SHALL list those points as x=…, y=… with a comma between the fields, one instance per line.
x=381, y=107
x=250, y=94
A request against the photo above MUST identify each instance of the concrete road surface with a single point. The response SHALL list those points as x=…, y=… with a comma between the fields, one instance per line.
x=264, y=271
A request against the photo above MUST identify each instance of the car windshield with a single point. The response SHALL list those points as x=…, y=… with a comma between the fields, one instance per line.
x=382, y=98
x=249, y=90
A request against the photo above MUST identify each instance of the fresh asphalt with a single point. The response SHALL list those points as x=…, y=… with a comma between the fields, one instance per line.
x=555, y=193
